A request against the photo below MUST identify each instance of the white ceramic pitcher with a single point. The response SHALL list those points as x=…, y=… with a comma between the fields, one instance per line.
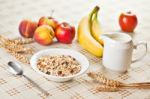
x=118, y=48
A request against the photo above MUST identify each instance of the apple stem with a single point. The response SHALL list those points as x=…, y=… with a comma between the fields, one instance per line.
x=65, y=24
x=52, y=12
x=129, y=12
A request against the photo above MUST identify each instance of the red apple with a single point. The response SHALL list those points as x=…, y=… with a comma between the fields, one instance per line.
x=48, y=21
x=27, y=28
x=65, y=33
x=128, y=21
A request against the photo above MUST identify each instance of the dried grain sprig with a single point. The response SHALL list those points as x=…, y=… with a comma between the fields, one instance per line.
x=114, y=85
x=23, y=41
x=104, y=80
x=105, y=88
x=16, y=48
x=20, y=41
x=20, y=57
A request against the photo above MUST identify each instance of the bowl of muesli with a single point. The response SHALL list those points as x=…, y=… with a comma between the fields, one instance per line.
x=58, y=64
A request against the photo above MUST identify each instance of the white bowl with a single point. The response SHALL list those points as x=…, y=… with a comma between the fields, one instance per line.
x=59, y=51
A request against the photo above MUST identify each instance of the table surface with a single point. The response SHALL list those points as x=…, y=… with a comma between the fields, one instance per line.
x=13, y=11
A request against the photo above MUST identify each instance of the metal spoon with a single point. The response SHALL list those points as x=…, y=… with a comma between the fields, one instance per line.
x=16, y=69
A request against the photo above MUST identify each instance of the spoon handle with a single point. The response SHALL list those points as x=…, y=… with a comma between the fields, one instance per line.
x=37, y=86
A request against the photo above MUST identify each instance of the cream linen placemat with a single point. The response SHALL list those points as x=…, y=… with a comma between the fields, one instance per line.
x=13, y=11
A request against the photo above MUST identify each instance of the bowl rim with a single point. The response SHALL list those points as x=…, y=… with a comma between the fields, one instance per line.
x=34, y=66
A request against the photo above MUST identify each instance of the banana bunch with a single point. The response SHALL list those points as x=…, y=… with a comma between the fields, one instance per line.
x=89, y=31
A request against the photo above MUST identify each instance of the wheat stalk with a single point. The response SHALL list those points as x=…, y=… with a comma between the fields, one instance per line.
x=114, y=85
x=104, y=80
x=106, y=88
x=16, y=48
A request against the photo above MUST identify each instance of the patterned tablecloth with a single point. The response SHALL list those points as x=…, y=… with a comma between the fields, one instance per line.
x=13, y=11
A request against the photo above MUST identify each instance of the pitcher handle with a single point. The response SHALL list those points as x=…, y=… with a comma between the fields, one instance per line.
x=135, y=47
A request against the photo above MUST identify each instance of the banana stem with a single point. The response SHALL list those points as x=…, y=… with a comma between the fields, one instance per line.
x=95, y=10
x=93, y=14
x=95, y=17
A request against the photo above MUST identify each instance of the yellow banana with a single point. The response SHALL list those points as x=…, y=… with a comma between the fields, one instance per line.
x=96, y=29
x=85, y=38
